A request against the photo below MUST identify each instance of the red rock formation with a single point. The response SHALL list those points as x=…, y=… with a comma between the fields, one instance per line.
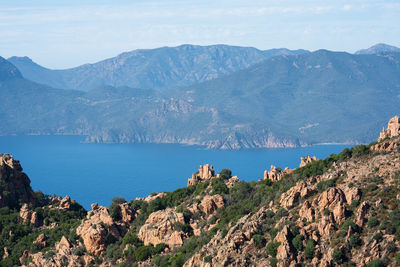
x=392, y=130
x=14, y=184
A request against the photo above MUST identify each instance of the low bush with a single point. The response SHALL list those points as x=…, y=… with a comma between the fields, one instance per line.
x=272, y=248
x=309, y=251
x=337, y=256
x=372, y=222
x=323, y=185
x=297, y=242
x=259, y=240
x=354, y=241
x=376, y=263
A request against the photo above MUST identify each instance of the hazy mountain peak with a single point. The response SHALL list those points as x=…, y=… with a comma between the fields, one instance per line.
x=8, y=71
x=378, y=48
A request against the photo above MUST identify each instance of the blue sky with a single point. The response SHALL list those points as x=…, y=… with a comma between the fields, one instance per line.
x=67, y=33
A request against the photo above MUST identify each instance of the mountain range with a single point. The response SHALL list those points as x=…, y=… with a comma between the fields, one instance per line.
x=217, y=96
x=160, y=68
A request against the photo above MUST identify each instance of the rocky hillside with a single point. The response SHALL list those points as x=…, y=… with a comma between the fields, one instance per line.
x=342, y=210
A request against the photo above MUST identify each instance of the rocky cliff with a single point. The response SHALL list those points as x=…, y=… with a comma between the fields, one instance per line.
x=15, y=186
x=342, y=210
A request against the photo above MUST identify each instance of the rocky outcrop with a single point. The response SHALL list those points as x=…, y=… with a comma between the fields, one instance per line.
x=152, y=196
x=332, y=200
x=361, y=213
x=65, y=203
x=28, y=215
x=205, y=172
x=275, y=174
x=62, y=255
x=41, y=240
x=387, y=145
x=161, y=227
x=284, y=251
x=231, y=181
x=210, y=204
x=301, y=190
x=236, y=248
x=14, y=184
x=99, y=226
x=305, y=160
x=393, y=129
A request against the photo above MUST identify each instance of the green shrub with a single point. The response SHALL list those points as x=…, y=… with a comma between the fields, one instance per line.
x=133, y=239
x=378, y=237
x=159, y=248
x=372, y=222
x=372, y=187
x=208, y=258
x=273, y=232
x=309, y=251
x=259, y=240
x=143, y=253
x=274, y=262
x=115, y=209
x=349, y=223
x=377, y=179
x=354, y=204
x=354, y=241
x=323, y=185
x=297, y=242
x=376, y=263
x=219, y=187
x=337, y=256
x=281, y=213
x=397, y=259
x=272, y=248
x=225, y=174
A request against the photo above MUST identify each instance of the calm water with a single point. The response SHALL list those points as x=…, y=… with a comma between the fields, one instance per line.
x=90, y=173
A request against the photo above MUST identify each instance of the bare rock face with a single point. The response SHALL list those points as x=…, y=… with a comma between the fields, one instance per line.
x=14, y=184
x=292, y=196
x=96, y=227
x=305, y=160
x=232, y=181
x=387, y=145
x=210, y=204
x=275, y=174
x=392, y=130
x=333, y=199
x=153, y=196
x=236, y=248
x=284, y=251
x=65, y=203
x=361, y=213
x=160, y=227
x=29, y=215
x=352, y=194
x=127, y=214
x=62, y=256
x=206, y=172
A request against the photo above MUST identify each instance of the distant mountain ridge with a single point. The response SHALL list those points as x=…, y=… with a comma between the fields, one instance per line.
x=379, y=48
x=283, y=101
x=159, y=68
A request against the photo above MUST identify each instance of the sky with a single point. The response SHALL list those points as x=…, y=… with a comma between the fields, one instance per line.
x=67, y=33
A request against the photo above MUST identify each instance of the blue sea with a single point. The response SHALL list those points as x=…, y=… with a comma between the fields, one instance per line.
x=89, y=173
